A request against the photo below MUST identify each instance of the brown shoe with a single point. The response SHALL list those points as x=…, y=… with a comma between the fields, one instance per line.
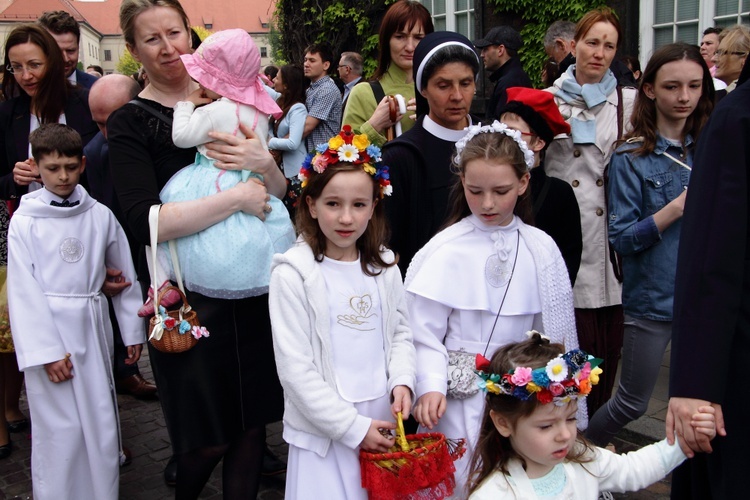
x=136, y=386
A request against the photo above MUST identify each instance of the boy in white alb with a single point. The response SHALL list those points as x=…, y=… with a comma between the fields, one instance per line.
x=60, y=242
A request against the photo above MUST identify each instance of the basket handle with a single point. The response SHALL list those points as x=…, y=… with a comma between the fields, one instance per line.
x=400, y=433
x=185, y=306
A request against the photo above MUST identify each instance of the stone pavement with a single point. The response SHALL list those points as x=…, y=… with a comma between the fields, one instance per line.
x=144, y=432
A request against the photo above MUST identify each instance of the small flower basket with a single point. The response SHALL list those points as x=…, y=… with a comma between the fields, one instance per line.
x=175, y=331
x=417, y=467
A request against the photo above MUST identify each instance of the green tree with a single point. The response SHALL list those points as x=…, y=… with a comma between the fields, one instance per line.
x=127, y=65
x=343, y=24
x=537, y=17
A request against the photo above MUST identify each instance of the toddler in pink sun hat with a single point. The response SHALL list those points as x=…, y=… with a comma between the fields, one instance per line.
x=232, y=258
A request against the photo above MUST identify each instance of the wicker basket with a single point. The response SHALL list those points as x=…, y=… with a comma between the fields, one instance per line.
x=172, y=341
x=418, y=466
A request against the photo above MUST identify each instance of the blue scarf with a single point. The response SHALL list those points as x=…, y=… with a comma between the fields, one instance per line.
x=587, y=96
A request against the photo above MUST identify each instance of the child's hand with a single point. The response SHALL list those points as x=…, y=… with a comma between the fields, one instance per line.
x=60, y=371
x=134, y=354
x=401, y=401
x=374, y=441
x=704, y=421
x=114, y=283
x=430, y=408
x=198, y=97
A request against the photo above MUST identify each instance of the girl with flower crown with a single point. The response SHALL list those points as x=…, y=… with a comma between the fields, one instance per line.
x=528, y=443
x=480, y=281
x=343, y=347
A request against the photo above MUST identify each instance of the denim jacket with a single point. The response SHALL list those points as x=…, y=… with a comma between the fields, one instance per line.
x=640, y=186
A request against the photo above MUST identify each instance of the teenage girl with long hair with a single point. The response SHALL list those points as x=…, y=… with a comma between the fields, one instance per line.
x=648, y=183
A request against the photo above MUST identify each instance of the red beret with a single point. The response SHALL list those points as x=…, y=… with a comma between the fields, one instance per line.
x=543, y=104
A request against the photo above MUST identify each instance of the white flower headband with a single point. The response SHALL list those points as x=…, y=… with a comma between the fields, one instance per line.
x=496, y=127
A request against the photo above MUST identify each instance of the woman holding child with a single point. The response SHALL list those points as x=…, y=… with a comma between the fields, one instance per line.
x=218, y=396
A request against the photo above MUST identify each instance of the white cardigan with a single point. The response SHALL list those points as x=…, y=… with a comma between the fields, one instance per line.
x=606, y=472
x=314, y=413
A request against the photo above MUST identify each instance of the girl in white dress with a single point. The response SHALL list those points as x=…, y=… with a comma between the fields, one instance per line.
x=480, y=282
x=342, y=343
x=528, y=445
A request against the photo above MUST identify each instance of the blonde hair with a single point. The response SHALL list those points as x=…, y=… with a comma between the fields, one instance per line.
x=737, y=39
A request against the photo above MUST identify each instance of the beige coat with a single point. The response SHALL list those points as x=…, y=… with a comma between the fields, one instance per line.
x=582, y=166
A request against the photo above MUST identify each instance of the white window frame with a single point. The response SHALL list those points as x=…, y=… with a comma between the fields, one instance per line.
x=450, y=15
x=706, y=19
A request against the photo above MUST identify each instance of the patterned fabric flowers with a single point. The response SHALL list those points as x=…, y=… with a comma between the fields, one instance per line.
x=351, y=148
x=564, y=378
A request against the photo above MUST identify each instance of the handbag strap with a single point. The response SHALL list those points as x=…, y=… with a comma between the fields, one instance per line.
x=153, y=225
x=505, y=294
x=377, y=91
x=151, y=110
x=679, y=162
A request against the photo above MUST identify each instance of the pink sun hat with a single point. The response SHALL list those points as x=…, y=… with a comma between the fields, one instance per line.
x=228, y=63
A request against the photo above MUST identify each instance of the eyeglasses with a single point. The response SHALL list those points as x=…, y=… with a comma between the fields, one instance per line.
x=530, y=134
x=721, y=52
x=32, y=67
x=344, y=66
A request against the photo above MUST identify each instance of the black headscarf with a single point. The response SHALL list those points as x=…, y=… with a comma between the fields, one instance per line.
x=427, y=48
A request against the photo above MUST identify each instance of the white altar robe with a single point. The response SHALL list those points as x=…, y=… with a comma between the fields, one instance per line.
x=57, y=260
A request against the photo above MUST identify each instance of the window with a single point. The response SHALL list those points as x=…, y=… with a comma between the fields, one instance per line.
x=667, y=21
x=263, y=52
x=437, y=9
x=453, y=15
x=107, y=55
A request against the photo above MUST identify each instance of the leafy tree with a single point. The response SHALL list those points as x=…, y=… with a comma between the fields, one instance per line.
x=343, y=24
x=537, y=17
x=127, y=65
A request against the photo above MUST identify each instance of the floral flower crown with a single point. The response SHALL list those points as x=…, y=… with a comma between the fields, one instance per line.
x=498, y=127
x=349, y=147
x=564, y=378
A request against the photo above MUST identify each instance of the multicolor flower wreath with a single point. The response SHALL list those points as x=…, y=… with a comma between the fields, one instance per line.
x=348, y=147
x=564, y=378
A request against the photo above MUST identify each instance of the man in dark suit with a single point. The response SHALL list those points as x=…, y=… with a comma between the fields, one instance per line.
x=64, y=28
x=711, y=327
x=108, y=94
x=499, y=51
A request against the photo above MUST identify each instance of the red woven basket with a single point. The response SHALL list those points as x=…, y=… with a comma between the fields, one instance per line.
x=418, y=466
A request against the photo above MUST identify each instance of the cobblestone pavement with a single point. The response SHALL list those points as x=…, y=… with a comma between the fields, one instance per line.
x=144, y=432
